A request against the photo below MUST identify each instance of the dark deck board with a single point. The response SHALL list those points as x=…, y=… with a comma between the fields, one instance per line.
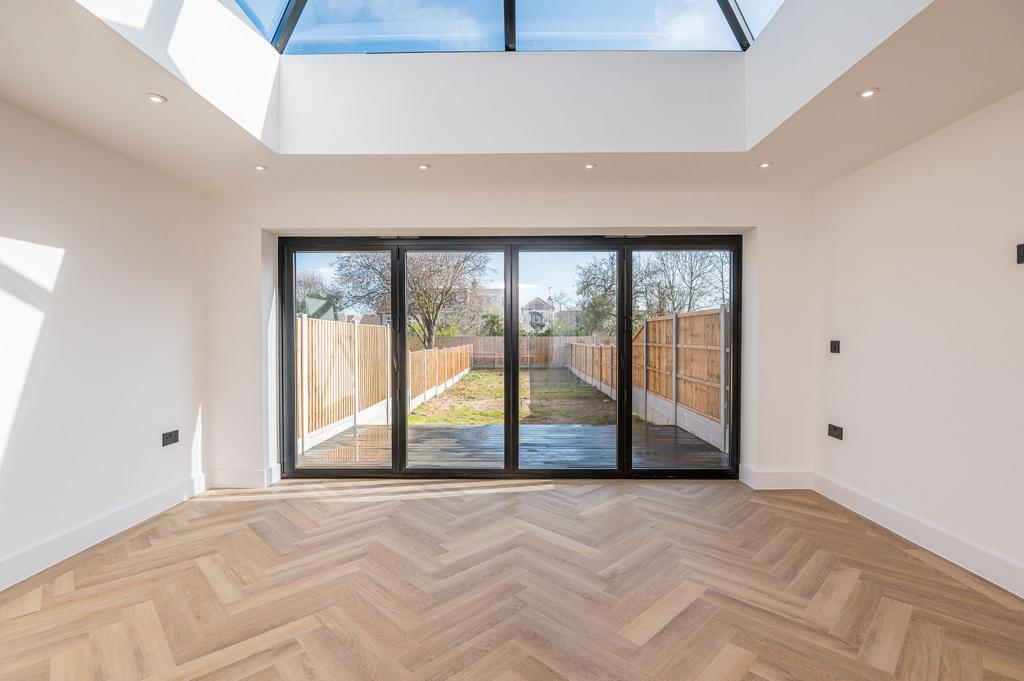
x=540, y=446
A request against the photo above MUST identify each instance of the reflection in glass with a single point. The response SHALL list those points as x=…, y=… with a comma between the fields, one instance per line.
x=343, y=359
x=616, y=25
x=339, y=26
x=456, y=325
x=567, y=359
x=681, y=359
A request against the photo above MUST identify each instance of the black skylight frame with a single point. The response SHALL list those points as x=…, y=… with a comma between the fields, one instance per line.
x=294, y=10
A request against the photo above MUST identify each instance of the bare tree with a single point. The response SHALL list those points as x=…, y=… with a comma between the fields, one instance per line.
x=722, y=265
x=595, y=291
x=363, y=281
x=678, y=281
x=437, y=285
x=311, y=284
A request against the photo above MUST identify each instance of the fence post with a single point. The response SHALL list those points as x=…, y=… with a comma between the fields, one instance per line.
x=644, y=378
x=387, y=376
x=675, y=368
x=355, y=382
x=303, y=383
x=724, y=373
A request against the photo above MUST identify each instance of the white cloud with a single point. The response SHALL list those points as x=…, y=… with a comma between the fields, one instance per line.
x=400, y=19
x=689, y=25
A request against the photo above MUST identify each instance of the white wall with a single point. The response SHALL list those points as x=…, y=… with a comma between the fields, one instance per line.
x=916, y=275
x=498, y=103
x=806, y=46
x=100, y=343
x=777, y=376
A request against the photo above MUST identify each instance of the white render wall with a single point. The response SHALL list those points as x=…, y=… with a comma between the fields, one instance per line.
x=101, y=343
x=915, y=274
x=776, y=433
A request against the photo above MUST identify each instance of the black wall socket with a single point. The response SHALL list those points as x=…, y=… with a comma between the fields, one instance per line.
x=170, y=438
x=833, y=347
x=1020, y=254
x=835, y=431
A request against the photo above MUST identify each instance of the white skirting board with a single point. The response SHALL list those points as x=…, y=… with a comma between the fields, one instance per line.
x=21, y=565
x=775, y=478
x=248, y=478
x=980, y=560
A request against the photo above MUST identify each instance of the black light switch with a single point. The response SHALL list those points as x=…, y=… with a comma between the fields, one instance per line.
x=835, y=431
x=170, y=438
x=1020, y=254
x=833, y=347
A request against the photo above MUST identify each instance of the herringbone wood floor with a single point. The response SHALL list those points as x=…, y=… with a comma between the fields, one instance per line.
x=509, y=580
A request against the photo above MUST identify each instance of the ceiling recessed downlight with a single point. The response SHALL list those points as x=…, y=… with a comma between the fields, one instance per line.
x=155, y=98
x=868, y=93
x=590, y=166
x=260, y=167
x=764, y=165
x=424, y=166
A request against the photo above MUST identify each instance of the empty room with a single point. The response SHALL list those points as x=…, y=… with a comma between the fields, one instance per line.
x=512, y=340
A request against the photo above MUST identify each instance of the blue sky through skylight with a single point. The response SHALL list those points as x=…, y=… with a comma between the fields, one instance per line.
x=622, y=25
x=333, y=26
x=358, y=26
x=266, y=14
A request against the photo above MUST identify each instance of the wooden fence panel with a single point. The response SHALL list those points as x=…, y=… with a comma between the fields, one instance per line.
x=430, y=357
x=373, y=362
x=692, y=351
x=335, y=355
x=330, y=348
x=417, y=373
x=700, y=362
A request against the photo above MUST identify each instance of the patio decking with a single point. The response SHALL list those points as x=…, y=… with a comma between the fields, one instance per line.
x=540, y=446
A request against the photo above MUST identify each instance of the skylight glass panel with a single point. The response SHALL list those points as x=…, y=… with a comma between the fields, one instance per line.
x=333, y=26
x=757, y=13
x=266, y=14
x=622, y=25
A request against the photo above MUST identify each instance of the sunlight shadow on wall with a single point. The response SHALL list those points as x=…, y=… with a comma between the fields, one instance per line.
x=195, y=463
x=28, y=274
x=211, y=46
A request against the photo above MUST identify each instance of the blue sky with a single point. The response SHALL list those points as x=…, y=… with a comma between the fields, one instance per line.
x=331, y=26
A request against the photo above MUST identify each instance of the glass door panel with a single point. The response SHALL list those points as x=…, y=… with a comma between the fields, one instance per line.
x=343, y=359
x=567, y=359
x=682, y=359
x=455, y=316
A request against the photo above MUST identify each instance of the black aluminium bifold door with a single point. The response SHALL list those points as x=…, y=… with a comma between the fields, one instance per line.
x=510, y=357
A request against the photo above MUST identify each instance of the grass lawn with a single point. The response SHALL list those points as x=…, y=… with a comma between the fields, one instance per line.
x=547, y=396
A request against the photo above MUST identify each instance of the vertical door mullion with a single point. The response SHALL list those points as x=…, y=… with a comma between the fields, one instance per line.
x=288, y=368
x=399, y=446
x=511, y=359
x=625, y=364
x=735, y=313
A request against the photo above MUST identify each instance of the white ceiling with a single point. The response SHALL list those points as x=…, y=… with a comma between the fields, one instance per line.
x=953, y=58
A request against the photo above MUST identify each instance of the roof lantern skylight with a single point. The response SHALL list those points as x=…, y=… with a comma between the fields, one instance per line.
x=380, y=26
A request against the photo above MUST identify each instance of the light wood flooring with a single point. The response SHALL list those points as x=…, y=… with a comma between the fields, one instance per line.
x=509, y=580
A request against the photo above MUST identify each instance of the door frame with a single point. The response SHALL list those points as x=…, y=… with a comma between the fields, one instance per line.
x=511, y=246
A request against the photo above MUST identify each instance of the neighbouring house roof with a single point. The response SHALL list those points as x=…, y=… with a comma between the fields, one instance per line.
x=538, y=304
